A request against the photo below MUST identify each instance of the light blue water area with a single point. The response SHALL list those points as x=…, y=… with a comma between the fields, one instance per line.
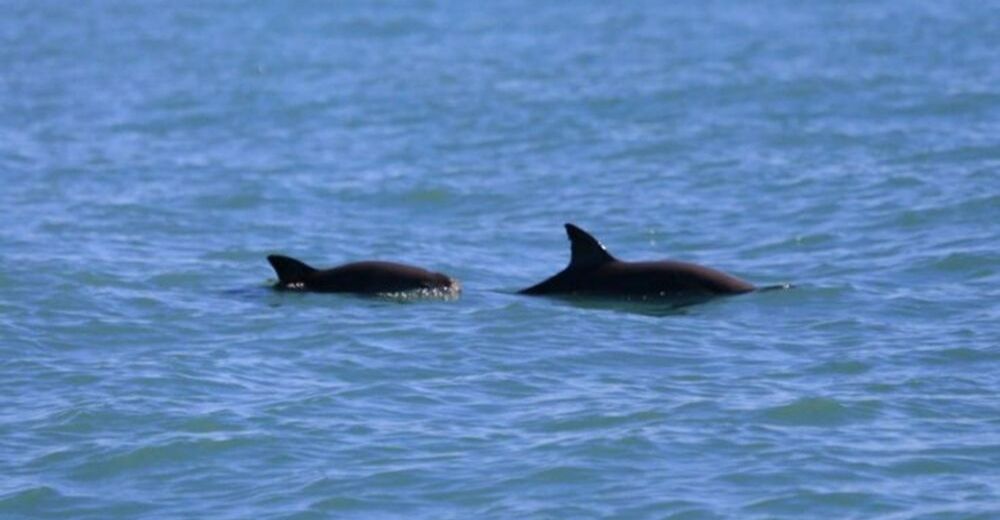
x=153, y=153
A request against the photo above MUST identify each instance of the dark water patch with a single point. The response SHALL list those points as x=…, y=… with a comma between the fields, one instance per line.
x=80, y=420
x=929, y=466
x=970, y=210
x=959, y=104
x=29, y=500
x=668, y=509
x=593, y=422
x=838, y=503
x=547, y=481
x=974, y=265
x=167, y=457
x=751, y=477
x=48, y=502
x=338, y=504
x=427, y=196
x=961, y=355
x=220, y=422
x=819, y=412
x=841, y=367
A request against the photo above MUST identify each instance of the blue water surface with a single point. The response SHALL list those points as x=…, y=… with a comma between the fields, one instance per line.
x=153, y=153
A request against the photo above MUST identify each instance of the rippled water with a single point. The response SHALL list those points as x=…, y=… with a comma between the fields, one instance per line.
x=153, y=153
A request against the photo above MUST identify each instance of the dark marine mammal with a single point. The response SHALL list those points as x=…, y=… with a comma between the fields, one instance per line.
x=592, y=270
x=368, y=277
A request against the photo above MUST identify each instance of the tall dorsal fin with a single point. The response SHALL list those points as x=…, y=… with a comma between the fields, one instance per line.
x=585, y=249
x=289, y=270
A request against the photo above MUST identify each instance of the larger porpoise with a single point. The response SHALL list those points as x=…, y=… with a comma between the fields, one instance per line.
x=592, y=270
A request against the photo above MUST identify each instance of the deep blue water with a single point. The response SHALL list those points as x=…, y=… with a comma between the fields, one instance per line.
x=153, y=153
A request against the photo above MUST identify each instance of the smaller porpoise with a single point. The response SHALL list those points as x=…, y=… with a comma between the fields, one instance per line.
x=594, y=271
x=368, y=277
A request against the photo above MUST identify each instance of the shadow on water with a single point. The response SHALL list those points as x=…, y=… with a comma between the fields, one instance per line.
x=646, y=306
x=659, y=307
x=276, y=296
x=656, y=306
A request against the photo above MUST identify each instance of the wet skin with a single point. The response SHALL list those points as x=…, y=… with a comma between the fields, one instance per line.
x=594, y=271
x=368, y=277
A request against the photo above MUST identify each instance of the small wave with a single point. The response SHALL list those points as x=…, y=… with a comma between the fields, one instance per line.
x=44, y=501
x=179, y=450
x=925, y=466
x=831, y=502
x=813, y=411
x=840, y=367
x=29, y=498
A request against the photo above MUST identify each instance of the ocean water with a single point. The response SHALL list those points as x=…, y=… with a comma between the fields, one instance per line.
x=153, y=153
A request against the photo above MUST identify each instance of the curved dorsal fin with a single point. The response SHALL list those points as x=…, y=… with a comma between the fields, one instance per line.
x=586, y=251
x=289, y=270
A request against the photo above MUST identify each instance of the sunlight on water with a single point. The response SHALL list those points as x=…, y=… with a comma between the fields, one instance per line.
x=154, y=153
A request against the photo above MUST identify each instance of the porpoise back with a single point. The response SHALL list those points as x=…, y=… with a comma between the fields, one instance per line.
x=367, y=277
x=592, y=270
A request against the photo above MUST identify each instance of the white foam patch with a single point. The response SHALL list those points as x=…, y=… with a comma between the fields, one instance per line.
x=450, y=292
